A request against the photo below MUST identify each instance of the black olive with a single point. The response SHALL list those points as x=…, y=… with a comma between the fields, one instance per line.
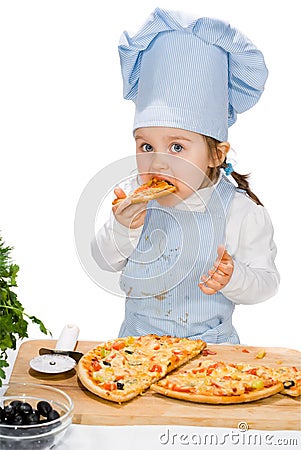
x=44, y=408
x=35, y=411
x=16, y=404
x=120, y=386
x=25, y=408
x=288, y=384
x=9, y=411
x=32, y=418
x=12, y=415
x=2, y=415
x=53, y=414
x=17, y=420
x=129, y=352
x=106, y=363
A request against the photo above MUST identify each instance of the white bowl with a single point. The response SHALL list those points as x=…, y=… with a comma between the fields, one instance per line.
x=40, y=436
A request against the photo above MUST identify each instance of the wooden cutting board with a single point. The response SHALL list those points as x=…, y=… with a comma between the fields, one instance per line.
x=278, y=412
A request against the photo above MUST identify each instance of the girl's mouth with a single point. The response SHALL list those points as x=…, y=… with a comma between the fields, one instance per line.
x=162, y=178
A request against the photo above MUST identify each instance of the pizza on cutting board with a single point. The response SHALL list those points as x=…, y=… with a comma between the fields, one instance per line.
x=123, y=368
x=290, y=377
x=155, y=188
x=218, y=382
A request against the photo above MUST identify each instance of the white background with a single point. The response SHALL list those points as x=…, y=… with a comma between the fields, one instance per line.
x=63, y=118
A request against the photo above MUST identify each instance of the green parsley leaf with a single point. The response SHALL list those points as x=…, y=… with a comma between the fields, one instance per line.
x=13, y=318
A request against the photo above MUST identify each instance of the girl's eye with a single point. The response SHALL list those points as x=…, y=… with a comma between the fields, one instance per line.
x=176, y=148
x=147, y=148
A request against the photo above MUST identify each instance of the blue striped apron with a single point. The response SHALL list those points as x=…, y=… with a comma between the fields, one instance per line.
x=161, y=276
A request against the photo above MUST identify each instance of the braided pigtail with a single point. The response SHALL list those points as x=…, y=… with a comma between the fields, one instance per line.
x=241, y=180
x=242, y=183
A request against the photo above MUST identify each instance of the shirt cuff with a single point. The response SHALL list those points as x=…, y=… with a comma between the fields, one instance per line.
x=234, y=286
x=250, y=285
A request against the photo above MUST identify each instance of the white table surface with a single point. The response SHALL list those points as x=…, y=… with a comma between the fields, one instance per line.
x=86, y=437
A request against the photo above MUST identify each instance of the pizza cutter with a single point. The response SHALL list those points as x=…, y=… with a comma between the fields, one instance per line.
x=63, y=357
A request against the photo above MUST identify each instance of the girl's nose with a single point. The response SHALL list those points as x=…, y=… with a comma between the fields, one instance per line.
x=159, y=161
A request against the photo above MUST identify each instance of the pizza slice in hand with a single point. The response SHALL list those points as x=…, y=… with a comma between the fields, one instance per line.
x=149, y=191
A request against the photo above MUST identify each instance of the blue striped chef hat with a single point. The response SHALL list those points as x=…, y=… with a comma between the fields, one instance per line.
x=190, y=74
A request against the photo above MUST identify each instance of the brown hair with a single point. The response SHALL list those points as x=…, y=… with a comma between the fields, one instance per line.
x=241, y=180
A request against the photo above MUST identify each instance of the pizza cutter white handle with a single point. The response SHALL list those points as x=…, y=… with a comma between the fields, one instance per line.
x=68, y=338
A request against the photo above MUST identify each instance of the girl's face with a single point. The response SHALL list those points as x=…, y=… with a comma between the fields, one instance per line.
x=175, y=155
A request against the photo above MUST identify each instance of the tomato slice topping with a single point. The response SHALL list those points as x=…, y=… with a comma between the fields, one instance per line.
x=109, y=386
x=96, y=366
x=177, y=388
x=195, y=371
x=212, y=367
x=118, y=345
x=156, y=368
x=119, y=377
x=207, y=352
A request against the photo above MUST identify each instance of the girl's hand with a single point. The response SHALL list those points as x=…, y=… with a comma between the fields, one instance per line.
x=220, y=275
x=131, y=216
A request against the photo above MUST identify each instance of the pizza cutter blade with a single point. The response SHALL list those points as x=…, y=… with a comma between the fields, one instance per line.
x=52, y=363
x=61, y=358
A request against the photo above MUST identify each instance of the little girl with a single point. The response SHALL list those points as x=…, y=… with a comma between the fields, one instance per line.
x=188, y=258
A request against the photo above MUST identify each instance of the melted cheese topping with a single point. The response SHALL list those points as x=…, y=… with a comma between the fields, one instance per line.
x=125, y=364
x=216, y=378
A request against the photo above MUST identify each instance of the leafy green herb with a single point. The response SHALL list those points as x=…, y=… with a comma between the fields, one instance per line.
x=13, y=318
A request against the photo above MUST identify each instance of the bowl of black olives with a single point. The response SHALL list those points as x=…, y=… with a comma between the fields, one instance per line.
x=33, y=416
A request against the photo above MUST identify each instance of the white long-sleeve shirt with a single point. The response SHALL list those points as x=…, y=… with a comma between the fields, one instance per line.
x=248, y=239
